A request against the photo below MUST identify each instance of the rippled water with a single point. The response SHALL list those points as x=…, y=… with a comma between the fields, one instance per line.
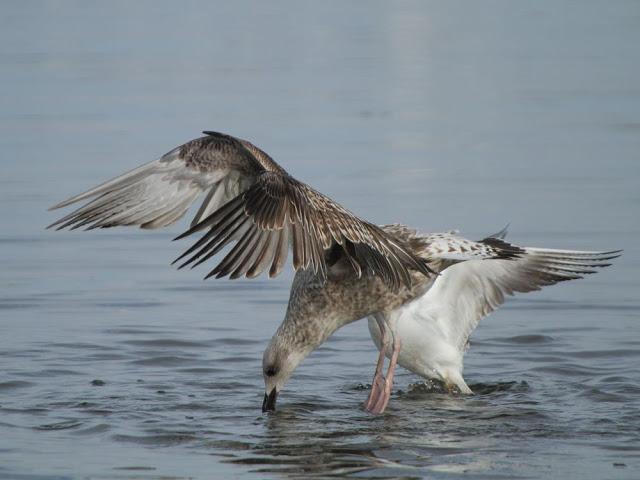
x=440, y=115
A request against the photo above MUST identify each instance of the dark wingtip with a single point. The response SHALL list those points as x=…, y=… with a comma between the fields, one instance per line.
x=198, y=226
x=186, y=262
x=502, y=233
x=181, y=236
x=187, y=233
x=176, y=261
x=181, y=257
x=210, y=274
x=503, y=250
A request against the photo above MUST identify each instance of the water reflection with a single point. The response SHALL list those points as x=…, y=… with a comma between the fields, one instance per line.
x=425, y=427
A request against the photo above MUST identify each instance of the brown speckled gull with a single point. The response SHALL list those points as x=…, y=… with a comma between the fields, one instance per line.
x=424, y=293
x=249, y=199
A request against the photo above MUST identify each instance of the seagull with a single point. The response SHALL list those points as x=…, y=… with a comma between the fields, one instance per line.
x=474, y=280
x=423, y=327
x=420, y=291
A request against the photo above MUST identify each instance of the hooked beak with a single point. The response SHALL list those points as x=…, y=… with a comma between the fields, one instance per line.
x=269, y=402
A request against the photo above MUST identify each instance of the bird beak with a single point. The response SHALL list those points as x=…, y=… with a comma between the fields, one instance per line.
x=269, y=402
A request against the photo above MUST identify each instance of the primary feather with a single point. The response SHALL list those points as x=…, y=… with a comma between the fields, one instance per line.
x=249, y=200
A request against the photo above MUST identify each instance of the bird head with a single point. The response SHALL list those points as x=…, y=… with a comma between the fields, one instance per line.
x=278, y=363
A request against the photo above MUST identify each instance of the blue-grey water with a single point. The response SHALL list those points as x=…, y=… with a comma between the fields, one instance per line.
x=440, y=115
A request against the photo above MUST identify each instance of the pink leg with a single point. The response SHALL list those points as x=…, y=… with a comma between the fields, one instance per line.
x=378, y=383
x=380, y=402
x=383, y=401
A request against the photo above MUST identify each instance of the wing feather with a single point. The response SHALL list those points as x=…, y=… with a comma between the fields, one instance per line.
x=265, y=255
x=467, y=291
x=160, y=192
x=249, y=199
x=280, y=255
x=277, y=202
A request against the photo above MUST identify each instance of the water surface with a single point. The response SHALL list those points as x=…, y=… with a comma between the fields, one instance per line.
x=440, y=115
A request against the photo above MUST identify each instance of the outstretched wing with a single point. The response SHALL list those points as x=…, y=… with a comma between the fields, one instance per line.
x=249, y=199
x=160, y=192
x=468, y=290
x=278, y=208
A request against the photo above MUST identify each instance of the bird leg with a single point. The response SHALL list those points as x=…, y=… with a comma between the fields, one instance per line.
x=378, y=383
x=381, y=385
x=382, y=401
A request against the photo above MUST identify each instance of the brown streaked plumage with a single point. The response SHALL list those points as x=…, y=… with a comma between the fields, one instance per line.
x=423, y=328
x=250, y=200
x=346, y=268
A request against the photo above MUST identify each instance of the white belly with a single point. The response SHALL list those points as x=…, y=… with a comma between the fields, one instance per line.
x=426, y=346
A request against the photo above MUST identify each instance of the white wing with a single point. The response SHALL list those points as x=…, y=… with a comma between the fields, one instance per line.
x=467, y=291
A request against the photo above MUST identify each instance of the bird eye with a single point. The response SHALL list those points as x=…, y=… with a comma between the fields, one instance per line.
x=270, y=371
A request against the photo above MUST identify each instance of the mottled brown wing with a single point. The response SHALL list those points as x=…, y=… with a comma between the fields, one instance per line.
x=277, y=210
x=160, y=192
